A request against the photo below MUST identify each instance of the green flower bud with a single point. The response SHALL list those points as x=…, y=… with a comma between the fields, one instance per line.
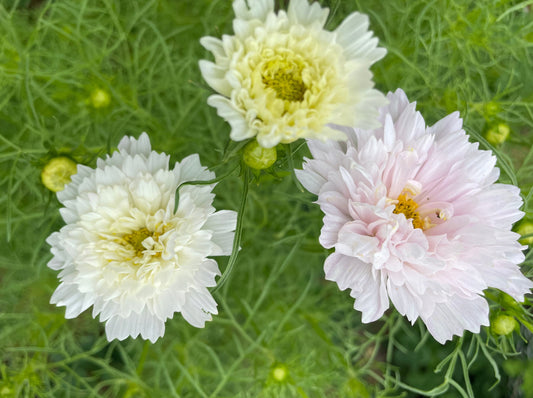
x=526, y=228
x=100, y=98
x=57, y=172
x=503, y=325
x=492, y=108
x=498, y=134
x=280, y=373
x=257, y=157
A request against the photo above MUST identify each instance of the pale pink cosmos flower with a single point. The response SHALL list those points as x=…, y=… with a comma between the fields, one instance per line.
x=416, y=218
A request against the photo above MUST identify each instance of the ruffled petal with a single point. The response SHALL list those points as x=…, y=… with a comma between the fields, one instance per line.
x=415, y=216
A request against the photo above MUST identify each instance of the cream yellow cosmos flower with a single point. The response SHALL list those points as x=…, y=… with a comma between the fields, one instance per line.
x=282, y=76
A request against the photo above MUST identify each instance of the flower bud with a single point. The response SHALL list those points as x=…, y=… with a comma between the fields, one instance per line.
x=57, y=172
x=526, y=228
x=492, y=109
x=100, y=98
x=498, y=134
x=257, y=157
x=503, y=325
x=280, y=373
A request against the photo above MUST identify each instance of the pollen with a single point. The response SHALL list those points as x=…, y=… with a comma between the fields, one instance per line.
x=285, y=78
x=407, y=207
x=136, y=238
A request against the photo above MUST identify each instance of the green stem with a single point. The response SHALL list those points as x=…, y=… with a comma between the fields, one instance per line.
x=291, y=167
x=208, y=182
x=394, y=323
x=142, y=359
x=238, y=233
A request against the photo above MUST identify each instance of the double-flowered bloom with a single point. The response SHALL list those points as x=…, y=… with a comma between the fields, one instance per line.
x=282, y=76
x=126, y=252
x=413, y=213
x=416, y=217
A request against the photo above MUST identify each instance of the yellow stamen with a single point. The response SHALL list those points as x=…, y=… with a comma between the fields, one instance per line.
x=408, y=207
x=136, y=238
x=285, y=78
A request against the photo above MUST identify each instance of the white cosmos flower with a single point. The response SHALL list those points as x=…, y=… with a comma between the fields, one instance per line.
x=127, y=253
x=415, y=217
x=282, y=76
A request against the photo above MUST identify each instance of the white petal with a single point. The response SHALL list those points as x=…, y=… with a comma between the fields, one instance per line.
x=447, y=125
x=300, y=11
x=190, y=169
x=506, y=276
x=222, y=224
x=258, y=9
x=353, y=244
x=373, y=301
x=403, y=301
x=195, y=308
x=215, y=46
x=353, y=35
x=456, y=315
x=132, y=146
x=215, y=76
x=222, y=221
x=205, y=275
x=311, y=180
x=348, y=272
x=225, y=109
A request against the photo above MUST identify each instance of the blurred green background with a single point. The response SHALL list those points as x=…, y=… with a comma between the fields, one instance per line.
x=77, y=75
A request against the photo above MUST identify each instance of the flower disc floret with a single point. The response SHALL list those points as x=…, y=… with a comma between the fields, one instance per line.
x=285, y=78
x=282, y=76
x=407, y=207
x=127, y=253
x=416, y=218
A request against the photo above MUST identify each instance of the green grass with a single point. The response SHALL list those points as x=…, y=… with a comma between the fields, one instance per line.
x=276, y=309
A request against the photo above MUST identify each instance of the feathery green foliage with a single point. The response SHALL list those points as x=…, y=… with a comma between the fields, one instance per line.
x=77, y=75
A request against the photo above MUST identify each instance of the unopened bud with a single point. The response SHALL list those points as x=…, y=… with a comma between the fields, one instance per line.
x=498, y=134
x=57, y=172
x=100, y=98
x=280, y=373
x=503, y=325
x=526, y=228
x=258, y=157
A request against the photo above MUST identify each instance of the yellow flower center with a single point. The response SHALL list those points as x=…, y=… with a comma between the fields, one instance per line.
x=285, y=78
x=408, y=207
x=136, y=238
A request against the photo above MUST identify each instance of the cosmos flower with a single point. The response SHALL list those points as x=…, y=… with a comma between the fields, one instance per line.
x=282, y=76
x=127, y=253
x=416, y=217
